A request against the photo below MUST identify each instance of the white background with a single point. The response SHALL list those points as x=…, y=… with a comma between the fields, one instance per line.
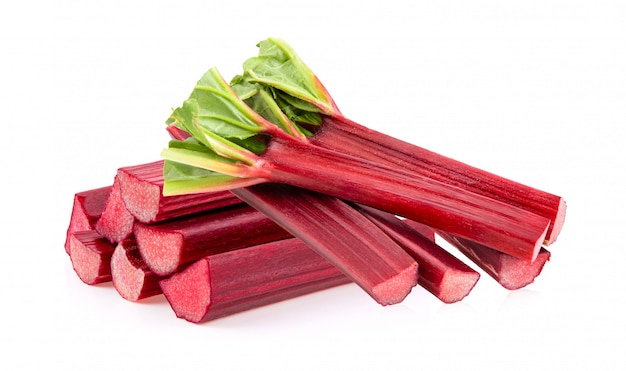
x=531, y=90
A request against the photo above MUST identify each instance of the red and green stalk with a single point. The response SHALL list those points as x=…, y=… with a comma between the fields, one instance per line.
x=293, y=86
x=241, y=148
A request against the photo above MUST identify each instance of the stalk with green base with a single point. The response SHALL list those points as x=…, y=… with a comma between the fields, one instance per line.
x=233, y=146
x=304, y=100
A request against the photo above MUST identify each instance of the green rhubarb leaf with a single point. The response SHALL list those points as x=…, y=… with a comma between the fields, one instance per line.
x=226, y=134
x=243, y=88
x=278, y=66
x=279, y=108
x=293, y=109
x=221, y=111
x=296, y=103
x=217, y=118
x=265, y=105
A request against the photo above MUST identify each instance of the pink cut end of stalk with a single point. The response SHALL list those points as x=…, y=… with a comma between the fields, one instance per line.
x=510, y=272
x=116, y=222
x=141, y=196
x=442, y=274
x=456, y=285
x=160, y=250
x=142, y=192
x=132, y=278
x=395, y=289
x=86, y=210
x=555, y=229
x=90, y=254
x=518, y=273
x=539, y=245
x=189, y=292
x=127, y=279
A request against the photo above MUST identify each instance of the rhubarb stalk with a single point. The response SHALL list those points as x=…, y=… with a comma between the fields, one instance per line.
x=236, y=147
x=440, y=272
x=337, y=132
x=171, y=245
x=342, y=235
x=297, y=91
x=510, y=272
x=235, y=281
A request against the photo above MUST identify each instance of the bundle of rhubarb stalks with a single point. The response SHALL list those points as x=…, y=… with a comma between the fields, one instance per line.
x=266, y=192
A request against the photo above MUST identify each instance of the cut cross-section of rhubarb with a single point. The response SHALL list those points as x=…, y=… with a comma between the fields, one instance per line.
x=510, y=272
x=440, y=272
x=131, y=277
x=235, y=281
x=90, y=254
x=116, y=223
x=168, y=246
x=346, y=238
x=142, y=191
x=86, y=210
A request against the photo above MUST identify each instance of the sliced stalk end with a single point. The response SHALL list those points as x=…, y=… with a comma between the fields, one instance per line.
x=91, y=254
x=396, y=288
x=161, y=251
x=189, y=292
x=516, y=273
x=456, y=285
x=559, y=220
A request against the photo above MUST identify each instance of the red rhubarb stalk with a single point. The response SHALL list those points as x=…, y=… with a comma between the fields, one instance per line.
x=142, y=192
x=493, y=223
x=241, y=148
x=343, y=236
x=440, y=272
x=90, y=254
x=169, y=246
x=86, y=210
x=116, y=222
x=337, y=132
x=510, y=272
x=300, y=95
x=235, y=281
x=131, y=277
